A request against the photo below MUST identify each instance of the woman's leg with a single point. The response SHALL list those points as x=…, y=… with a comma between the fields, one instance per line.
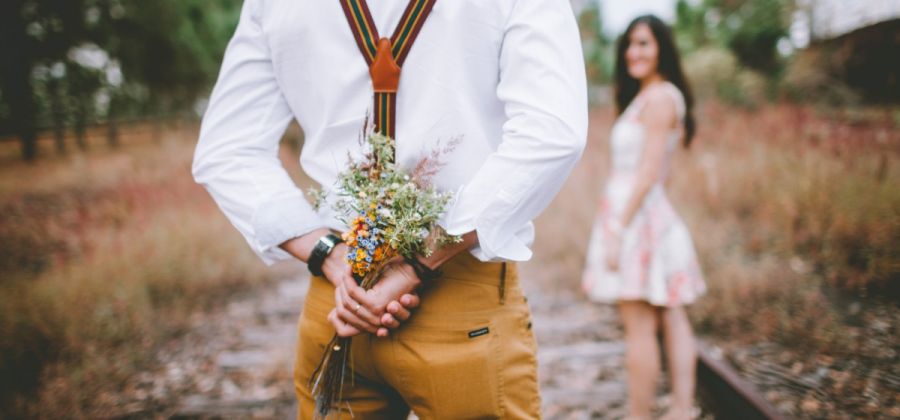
x=641, y=356
x=681, y=351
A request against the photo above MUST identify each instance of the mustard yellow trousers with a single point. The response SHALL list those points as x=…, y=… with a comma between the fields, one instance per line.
x=467, y=352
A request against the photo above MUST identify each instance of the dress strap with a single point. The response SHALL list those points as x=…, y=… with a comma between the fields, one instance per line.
x=676, y=94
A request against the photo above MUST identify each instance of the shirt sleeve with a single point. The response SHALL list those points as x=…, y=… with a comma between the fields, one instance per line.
x=542, y=85
x=236, y=158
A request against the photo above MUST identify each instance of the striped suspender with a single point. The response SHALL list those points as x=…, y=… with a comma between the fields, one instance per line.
x=385, y=56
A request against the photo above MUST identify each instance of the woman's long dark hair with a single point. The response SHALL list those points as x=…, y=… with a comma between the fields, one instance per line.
x=669, y=67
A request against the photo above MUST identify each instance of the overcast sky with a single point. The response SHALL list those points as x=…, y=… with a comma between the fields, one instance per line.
x=616, y=14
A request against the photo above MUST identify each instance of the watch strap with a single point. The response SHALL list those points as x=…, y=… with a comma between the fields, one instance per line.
x=320, y=251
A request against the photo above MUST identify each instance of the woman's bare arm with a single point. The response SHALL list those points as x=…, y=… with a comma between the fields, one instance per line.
x=658, y=118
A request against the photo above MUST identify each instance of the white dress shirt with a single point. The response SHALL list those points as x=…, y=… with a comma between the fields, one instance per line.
x=505, y=77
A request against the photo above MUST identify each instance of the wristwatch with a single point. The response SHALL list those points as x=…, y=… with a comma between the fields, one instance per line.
x=320, y=251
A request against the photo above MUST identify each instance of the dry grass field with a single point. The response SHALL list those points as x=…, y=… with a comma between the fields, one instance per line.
x=105, y=254
x=795, y=213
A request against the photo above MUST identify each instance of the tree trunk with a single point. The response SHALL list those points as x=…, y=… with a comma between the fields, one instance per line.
x=15, y=75
x=59, y=116
x=112, y=123
x=81, y=115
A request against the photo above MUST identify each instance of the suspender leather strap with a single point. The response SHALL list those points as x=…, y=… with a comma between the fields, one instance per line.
x=385, y=56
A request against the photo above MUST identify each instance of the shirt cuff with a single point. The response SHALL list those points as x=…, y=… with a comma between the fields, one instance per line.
x=496, y=241
x=279, y=219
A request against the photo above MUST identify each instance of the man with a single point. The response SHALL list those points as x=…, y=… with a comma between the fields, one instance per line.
x=506, y=77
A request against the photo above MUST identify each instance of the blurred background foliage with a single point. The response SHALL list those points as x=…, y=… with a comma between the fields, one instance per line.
x=76, y=63
x=73, y=63
x=742, y=52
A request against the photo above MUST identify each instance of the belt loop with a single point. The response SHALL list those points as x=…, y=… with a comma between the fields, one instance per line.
x=503, y=283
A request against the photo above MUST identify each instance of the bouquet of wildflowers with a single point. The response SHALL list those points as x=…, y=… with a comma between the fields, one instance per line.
x=391, y=213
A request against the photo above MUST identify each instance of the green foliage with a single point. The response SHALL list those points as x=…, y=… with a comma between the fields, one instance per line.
x=599, y=51
x=150, y=59
x=690, y=29
x=751, y=29
x=729, y=47
x=714, y=72
x=173, y=47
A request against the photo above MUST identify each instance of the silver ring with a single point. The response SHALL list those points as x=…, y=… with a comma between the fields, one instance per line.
x=357, y=308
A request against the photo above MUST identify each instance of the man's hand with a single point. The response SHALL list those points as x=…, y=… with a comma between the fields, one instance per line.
x=397, y=311
x=335, y=265
x=393, y=296
x=350, y=317
x=389, y=301
x=337, y=271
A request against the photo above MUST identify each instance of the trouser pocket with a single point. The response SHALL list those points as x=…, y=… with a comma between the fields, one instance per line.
x=449, y=367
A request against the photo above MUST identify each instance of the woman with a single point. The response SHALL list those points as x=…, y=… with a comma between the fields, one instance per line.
x=641, y=254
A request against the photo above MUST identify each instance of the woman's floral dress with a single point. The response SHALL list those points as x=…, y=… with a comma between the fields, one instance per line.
x=658, y=262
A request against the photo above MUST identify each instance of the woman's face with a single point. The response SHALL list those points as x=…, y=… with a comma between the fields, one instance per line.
x=642, y=54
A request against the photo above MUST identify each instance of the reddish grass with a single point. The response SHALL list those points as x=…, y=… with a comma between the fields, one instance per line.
x=104, y=255
x=787, y=205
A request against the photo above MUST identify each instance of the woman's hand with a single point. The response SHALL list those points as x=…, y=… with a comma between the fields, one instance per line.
x=613, y=241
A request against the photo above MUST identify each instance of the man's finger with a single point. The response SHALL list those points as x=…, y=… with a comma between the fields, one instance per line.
x=397, y=310
x=351, y=318
x=340, y=327
x=389, y=321
x=357, y=308
x=410, y=300
x=360, y=295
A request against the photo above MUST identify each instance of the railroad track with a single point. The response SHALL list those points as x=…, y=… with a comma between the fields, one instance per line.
x=724, y=394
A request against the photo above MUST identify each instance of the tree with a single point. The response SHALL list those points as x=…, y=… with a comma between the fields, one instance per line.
x=164, y=55
x=598, y=49
x=15, y=73
x=751, y=29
